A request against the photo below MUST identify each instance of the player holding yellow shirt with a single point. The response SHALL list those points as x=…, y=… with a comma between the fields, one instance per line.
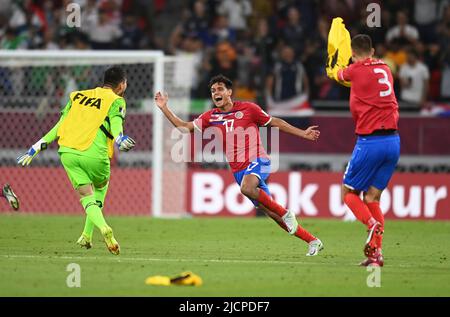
x=90, y=124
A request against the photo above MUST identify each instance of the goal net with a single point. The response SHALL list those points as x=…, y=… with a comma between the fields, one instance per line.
x=35, y=85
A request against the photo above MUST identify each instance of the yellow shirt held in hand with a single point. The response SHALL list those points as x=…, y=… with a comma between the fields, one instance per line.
x=339, y=50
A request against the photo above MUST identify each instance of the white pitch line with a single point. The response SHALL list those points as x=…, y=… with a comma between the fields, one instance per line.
x=120, y=258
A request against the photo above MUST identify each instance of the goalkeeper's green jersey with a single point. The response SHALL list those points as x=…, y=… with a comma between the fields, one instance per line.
x=99, y=148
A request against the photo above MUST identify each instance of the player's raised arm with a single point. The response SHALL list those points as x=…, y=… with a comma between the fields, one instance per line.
x=310, y=133
x=161, y=100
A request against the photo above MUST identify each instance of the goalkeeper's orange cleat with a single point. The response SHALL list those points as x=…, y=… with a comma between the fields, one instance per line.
x=11, y=197
x=374, y=238
x=110, y=241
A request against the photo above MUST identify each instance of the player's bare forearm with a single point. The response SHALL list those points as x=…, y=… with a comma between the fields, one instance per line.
x=286, y=127
x=161, y=102
x=176, y=121
x=310, y=134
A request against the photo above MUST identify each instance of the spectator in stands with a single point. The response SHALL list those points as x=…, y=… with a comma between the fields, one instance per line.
x=263, y=45
x=237, y=12
x=347, y=9
x=262, y=9
x=288, y=83
x=197, y=24
x=377, y=34
x=5, y=7
x=425, y=16
x=224, y=61
x=192, y=46
x=441, y=29
x=403, y=32
x=293, y=33
x=445, y=82
x=12, y=41
x=432, y=58
x=112, y=9
x=104, y=34
x=131, y=34
x=444, y=36
x=396, y=52
x=247, y=65
x=221, y=31
x=89, y=17
x=414, y=77
x=255, y=28
x=49, y=42
x=16, y=14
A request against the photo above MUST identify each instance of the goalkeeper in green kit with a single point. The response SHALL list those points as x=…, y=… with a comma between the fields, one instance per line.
x=91, y=124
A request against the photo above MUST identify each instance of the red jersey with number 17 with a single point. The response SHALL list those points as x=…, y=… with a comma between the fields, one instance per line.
x=238, y=131
x=372, y=99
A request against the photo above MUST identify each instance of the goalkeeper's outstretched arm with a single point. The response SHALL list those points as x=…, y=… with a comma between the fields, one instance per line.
x=161, y=102
x=42, y=144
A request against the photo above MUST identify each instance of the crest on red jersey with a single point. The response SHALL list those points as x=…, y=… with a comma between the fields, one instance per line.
x=239, y=115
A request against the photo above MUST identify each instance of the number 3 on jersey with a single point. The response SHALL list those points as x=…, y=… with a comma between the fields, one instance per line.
x=228, y=125
x=384, y=81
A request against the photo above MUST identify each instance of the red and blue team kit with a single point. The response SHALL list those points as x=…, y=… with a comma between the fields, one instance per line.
x=239, y=130
x=374, y=108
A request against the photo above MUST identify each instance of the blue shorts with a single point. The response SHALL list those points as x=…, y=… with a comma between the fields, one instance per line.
x=373, y=162
x=261, y=169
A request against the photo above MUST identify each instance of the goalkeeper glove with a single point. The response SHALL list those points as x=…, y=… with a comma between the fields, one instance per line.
x=125, y=143
x=26, y=158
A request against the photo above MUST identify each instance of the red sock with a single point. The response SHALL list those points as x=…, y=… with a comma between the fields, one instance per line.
x=304, y=235
x=376, y=212
x=374, y=208
x=271, y=204
x=359, y=209
x=300, y=233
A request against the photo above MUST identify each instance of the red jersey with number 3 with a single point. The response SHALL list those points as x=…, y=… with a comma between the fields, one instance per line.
x=238, y=129
x=372, y=99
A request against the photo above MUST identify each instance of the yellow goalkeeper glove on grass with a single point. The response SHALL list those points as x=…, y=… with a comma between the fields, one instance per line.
x=185, y=278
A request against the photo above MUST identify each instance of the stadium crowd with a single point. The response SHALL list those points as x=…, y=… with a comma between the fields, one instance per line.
x=270, y=49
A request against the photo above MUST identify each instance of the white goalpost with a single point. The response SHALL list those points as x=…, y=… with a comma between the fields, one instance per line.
x=40, y=81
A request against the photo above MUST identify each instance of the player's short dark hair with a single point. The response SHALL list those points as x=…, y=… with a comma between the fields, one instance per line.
x=362, y=44
x=221, y=79
x=113, y=76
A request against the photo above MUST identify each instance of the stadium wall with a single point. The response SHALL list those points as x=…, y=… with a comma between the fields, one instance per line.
x=419, y=135
x=214, y=193
x=318, y=194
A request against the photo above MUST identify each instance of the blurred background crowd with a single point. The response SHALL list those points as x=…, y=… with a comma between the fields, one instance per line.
x=270, y=49
x=274, y=51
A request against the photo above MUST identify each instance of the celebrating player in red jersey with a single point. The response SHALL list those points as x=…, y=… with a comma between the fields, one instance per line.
x=375, y=110
x=238, y=123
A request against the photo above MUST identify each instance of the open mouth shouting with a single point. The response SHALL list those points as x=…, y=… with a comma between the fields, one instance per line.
x=218, y=100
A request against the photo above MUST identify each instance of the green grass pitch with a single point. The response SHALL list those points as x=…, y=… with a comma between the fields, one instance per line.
x=235, y=257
